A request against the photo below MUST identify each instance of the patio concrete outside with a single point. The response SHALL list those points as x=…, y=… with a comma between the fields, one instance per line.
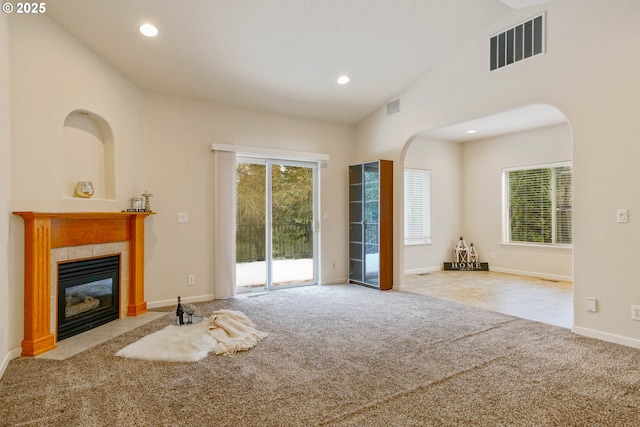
x=286, y=271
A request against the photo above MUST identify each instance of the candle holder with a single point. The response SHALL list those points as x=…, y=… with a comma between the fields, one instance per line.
x=136, y=204
x=147, y=205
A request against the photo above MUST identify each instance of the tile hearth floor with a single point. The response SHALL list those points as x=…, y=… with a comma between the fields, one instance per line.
x=78, y=343
x=531, y=298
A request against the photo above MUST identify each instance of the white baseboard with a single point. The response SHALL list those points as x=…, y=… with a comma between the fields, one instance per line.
x=12, y=354
x=532, y=274
x=500, y=270
x=605, y=336
x=335, y=282
x=211, y=297
x=423, y=270
x=185, y=300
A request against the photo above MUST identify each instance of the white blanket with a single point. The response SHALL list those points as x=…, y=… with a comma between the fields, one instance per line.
x=233, y=331
x=226, y=332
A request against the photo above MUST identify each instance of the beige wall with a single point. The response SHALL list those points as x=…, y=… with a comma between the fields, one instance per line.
x=466, y=200
x=51, y=75
x=160, y=142
x=482, y=199
x=5, y=179
x=589, y=72
x=75, y=78
x=178, y=133
x=444, y=159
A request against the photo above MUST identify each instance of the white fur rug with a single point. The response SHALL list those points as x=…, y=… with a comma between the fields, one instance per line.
x=225, y=332
x=173, y=344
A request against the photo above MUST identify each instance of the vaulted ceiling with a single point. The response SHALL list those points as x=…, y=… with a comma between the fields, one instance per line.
x=282, y=56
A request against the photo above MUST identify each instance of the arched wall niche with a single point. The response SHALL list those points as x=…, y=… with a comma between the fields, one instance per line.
x=88, y=154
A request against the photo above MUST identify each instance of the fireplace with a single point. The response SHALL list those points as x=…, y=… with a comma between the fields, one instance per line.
x=73, y=233
x=88, y=294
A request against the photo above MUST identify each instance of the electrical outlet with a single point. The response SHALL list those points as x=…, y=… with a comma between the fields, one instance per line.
x=635, y=312
x=591, y=305
x=183, y=217
x=492, y=255
x=191, y=280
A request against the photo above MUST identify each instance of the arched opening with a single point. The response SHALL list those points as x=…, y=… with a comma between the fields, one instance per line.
x=88, y=154
x=467, y=199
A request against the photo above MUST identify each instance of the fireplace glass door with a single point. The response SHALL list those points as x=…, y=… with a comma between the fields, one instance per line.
x=88, y=294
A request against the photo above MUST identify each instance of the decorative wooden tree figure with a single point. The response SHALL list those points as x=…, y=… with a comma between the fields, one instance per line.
x=466, y=258
x=461, y=251
x=473, y=255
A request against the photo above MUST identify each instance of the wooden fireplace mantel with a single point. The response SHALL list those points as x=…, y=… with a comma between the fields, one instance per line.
x=44, y=231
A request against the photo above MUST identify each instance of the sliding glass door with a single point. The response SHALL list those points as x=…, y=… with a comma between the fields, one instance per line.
x=276, y=215
x=251, y=208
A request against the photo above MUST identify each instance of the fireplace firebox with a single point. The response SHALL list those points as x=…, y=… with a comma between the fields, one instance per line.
x=88, y=294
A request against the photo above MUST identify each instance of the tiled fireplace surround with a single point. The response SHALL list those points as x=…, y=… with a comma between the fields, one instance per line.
x=51, y=238
x=75, y=253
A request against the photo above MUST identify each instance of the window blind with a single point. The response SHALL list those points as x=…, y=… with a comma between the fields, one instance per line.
x=417, y=205
x=537, y=205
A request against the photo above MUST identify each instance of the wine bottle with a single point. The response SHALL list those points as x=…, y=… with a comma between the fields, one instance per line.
x=180, y=313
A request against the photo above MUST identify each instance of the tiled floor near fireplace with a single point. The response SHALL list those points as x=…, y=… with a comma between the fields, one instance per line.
x=76, y=344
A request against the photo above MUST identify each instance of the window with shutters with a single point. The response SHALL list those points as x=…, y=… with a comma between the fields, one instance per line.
x=417, y=206
x=537, y=205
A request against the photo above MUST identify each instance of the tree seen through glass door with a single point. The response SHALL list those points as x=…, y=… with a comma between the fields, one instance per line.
x=288, y=209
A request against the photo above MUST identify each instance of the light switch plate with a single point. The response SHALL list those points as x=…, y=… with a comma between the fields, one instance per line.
x=183, y=217
x=622, y=215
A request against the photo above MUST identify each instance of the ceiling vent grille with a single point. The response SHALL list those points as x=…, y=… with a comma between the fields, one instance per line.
x=517, y=43
x=393, y=107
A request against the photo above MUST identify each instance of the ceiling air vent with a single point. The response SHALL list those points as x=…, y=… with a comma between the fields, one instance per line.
x=393, y=107
x=517, y=43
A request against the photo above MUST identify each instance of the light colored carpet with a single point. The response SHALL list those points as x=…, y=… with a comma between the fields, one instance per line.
x=342, y=355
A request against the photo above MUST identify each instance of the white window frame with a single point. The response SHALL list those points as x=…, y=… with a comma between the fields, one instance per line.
x=417, y=212
x=506, y=220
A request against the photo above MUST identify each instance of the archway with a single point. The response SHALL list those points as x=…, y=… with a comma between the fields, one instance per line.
x=467, y=190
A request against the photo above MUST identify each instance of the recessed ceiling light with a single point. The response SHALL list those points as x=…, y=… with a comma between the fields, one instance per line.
x=148, y=30
x=343, y=80
x=471, y=131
